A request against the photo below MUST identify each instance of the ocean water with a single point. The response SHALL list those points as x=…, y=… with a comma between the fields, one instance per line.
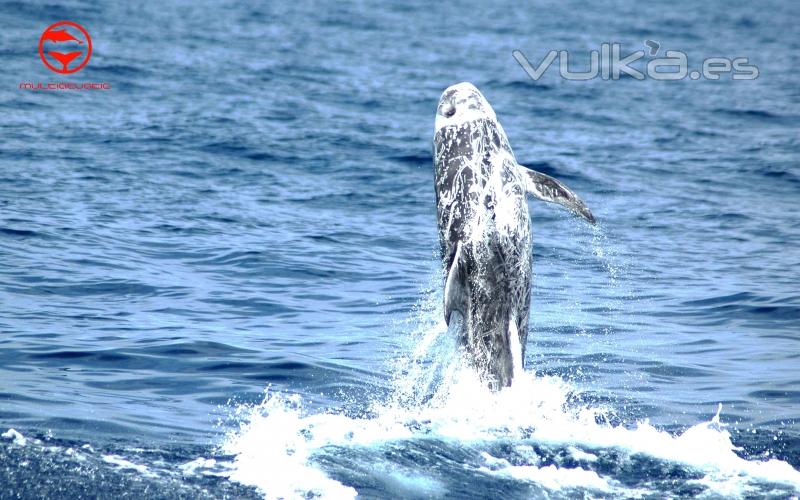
x=220, y=277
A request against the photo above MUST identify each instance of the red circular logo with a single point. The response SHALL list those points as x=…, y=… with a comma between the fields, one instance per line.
x=67, y=42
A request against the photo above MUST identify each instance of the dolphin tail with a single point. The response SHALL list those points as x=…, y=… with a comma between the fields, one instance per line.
x=454, y=286
x=548, y=189
x=63, y=58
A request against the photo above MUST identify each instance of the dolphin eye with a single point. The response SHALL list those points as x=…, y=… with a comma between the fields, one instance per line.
x=447, y=109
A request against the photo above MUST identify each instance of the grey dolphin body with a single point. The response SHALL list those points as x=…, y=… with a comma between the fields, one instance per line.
x=484, y=230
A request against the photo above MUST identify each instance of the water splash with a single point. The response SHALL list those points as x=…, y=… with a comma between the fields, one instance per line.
x=533, y=434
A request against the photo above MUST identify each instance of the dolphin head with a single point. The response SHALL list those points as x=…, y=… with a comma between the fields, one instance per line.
x=461, y=103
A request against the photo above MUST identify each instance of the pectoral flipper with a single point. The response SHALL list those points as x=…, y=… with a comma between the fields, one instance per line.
x=548, y=189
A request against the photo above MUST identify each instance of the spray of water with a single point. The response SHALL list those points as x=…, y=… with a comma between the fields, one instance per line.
x=287, y=450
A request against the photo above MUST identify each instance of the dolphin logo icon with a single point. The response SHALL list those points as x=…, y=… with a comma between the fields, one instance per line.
x=60, y=36
x=73, y=36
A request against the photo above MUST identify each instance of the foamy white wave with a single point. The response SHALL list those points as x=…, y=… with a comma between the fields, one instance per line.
x=15, y=437
x=275, y=446
x=205, y=467
x=436, y=397
x=127, y=465
x=272, y=451
x=581, y=455
x=551, y=477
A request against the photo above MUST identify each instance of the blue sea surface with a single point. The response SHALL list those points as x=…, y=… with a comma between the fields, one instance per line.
x=220, y=278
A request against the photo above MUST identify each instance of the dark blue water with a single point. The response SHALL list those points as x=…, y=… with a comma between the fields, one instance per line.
x=252, y=205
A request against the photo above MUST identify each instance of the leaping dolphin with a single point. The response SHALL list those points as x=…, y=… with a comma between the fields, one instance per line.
x=61, y=35
x=484, y=230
